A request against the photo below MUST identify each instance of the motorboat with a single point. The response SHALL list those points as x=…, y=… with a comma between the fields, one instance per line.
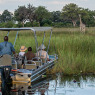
x=27, y=72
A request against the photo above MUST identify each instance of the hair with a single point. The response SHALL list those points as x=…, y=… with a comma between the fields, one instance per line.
x=6, y=38
x=29, y=48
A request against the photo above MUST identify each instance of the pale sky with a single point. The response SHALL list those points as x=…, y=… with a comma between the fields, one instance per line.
x=51, y=5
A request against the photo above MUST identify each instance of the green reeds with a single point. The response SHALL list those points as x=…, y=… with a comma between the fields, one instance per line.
x=76, y=51
x=76, y=54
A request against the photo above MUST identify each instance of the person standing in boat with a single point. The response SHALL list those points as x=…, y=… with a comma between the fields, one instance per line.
x=6, y=47
x=6, y=51
x=29, y=55
x=42, y=53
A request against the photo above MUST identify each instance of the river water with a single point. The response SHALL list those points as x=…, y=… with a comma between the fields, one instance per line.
x=54, y=85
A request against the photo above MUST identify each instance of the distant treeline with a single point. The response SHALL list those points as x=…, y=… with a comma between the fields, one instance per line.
x=39, y=16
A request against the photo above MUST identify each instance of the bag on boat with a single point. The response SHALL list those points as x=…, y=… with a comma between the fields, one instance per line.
x=5, y=60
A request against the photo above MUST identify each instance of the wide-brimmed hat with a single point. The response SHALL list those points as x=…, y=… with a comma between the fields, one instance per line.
x=41, y=47
x=23, y=48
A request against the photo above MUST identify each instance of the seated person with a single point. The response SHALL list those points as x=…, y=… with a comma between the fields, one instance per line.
x=21, y=57
x=22, y=51
x=29, y=55
x=42, y=53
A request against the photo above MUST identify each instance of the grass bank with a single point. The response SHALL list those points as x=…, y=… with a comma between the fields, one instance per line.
x=76, y=51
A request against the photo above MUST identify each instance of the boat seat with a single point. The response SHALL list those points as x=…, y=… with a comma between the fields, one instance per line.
x=38, y=63
x=30, y=66
x=5, y=60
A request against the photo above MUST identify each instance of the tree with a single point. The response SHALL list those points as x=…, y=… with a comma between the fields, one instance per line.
x=92, y=17
x=71, y=12
x=41, y=13
x=21, y=14
x=6, y=16
x=85, y=16
x=31, y=13
x=56, y=16
x=0, y=18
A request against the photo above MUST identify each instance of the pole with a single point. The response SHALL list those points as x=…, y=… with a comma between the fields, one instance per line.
x=49, y=41
x=8, y=33
x=15, y=39
x=48, y=45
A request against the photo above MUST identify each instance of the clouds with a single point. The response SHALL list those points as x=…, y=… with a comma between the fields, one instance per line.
x=51, y=5
x=82, y=0
x=56, y=2
x=55, y=5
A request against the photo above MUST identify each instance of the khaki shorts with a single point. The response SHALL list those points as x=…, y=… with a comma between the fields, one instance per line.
x=5, y=60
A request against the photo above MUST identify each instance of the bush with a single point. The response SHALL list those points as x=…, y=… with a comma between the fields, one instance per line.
x=19, y=25
x=9, y=24
x=46, y=22
x=28, y=24
x=61, y=24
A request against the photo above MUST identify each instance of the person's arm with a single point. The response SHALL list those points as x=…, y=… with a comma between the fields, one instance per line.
x=47, y=56
x=12, y=49
x=34, y=55
x=25, y=56
x=0, y=47
x=14, y=52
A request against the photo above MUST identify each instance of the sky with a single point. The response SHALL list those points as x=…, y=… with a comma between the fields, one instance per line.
x=51, y=5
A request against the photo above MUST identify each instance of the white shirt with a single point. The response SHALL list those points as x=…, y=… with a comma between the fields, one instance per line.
x=21, y=53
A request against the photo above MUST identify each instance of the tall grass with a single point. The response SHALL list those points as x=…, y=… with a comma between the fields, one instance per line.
x=76, y=51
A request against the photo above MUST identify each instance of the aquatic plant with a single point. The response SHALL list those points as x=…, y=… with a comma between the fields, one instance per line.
x=76, y=51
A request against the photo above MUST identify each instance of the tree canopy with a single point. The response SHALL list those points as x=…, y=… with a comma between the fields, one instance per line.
x=21, y=14
x=6, y=16
x=28, y=16
x=41, y=13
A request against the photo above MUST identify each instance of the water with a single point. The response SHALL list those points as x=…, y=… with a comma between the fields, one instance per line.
x=59, y=85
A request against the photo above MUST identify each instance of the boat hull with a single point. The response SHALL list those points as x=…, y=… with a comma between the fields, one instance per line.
x=25, y=76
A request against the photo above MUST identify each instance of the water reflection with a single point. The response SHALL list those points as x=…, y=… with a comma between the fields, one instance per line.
x=60, y=85
x=6, y=88
x=75, y=85
x=38, y=88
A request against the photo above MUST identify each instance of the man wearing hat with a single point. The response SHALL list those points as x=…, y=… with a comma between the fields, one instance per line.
x=42, y=53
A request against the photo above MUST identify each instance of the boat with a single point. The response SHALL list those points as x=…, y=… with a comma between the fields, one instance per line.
x=26, y=88
x=30, y=72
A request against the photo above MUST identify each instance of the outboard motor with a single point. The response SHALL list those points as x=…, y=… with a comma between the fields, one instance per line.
x=6, y=88
x=5, y=68
x=5, y=74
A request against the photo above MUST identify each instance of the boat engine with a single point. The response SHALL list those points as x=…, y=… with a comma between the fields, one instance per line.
x=5, y=74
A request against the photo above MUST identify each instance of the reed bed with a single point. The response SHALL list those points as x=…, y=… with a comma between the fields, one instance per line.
x=76, y=51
